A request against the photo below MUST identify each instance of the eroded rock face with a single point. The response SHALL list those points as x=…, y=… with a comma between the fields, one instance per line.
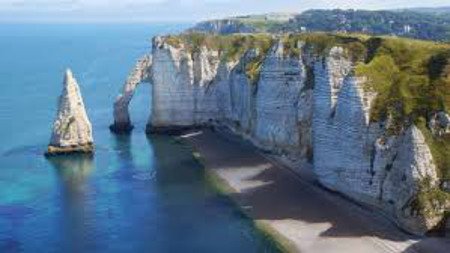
x=238, y=88
x=196, y=89
x=72, y=130
x=181, y=82
x=278, y=101
x=358, y=158
x=306, y=107
x=139, y=74
x=412, y=168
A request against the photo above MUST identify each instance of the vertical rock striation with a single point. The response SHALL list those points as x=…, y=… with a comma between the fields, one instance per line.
x=121, y=115
x=308, y=107
x=181, y=81
x=72, y=130
x=359, y=158
x=278, y=101
x=341, y=134
x=412, y=170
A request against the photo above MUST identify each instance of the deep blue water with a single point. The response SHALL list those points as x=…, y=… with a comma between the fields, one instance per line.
x=138, y=193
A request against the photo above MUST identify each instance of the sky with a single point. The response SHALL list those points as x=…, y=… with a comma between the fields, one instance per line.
x=177, y=10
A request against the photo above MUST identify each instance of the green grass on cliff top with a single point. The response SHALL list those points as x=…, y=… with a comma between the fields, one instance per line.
x=411, y=77
x=230, y=48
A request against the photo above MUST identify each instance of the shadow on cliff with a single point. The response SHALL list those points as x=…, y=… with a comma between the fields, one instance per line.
x=284, y=196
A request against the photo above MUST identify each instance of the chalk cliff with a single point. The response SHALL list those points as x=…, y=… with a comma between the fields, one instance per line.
x=180, y=86
x=306, y=106
x=72, y=130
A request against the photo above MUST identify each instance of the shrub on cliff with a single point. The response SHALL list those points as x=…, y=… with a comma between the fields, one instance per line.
x=412, y=81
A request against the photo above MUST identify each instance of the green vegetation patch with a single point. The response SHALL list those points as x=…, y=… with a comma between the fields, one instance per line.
x=412, y=81
x=273, y=23
x=430, y=25
x=319, y=44
x=430, y=200
x=399, y=71
x=440, y=149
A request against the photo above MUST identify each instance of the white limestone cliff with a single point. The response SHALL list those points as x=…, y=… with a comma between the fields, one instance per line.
x=412, y=168
x=72, y=130
x=278, y=102
x=140, y=73
x=358, y=158
x=181, y=86
x=306, y=107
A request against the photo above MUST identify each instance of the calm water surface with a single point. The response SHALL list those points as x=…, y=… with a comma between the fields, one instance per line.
x=137, y=194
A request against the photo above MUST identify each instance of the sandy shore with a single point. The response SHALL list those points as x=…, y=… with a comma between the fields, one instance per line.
x=290, y=206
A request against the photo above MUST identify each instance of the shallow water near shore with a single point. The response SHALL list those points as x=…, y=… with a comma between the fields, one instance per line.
x=137, y=194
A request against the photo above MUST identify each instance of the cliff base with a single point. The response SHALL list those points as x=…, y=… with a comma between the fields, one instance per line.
x=79, y=149
x=173, y=130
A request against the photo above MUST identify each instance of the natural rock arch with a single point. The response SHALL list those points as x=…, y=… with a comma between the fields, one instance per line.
x=140, y=74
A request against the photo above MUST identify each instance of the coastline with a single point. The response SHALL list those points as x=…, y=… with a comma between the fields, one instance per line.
x=282, y=243
x=287, y=206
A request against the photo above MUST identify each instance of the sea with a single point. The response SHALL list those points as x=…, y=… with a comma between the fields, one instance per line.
x=138, y=193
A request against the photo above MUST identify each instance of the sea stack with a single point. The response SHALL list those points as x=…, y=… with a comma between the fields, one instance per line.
x=72, y=130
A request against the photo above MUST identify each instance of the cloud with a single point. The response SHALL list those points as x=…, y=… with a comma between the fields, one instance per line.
x=24, y=5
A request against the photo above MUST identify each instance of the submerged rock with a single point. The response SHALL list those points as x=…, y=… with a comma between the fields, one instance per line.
x=72, y=130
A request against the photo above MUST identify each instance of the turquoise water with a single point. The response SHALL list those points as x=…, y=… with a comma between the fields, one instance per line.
x=137, y=194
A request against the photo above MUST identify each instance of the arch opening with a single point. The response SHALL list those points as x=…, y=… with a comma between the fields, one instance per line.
x=140, y=74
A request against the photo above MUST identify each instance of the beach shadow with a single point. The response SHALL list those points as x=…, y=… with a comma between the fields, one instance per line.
x=281, y=195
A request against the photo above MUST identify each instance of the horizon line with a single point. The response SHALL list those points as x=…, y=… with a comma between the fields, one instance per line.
x=143, y=20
